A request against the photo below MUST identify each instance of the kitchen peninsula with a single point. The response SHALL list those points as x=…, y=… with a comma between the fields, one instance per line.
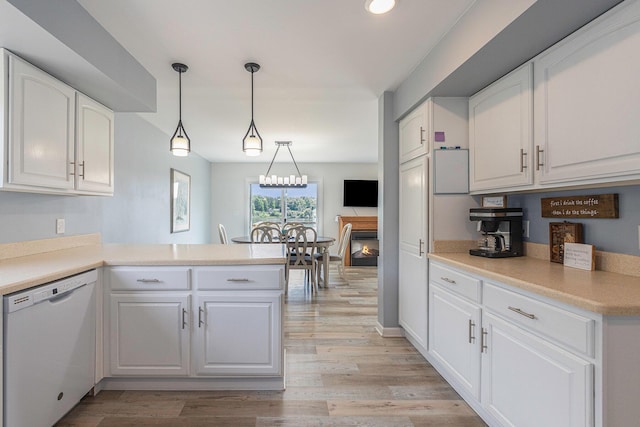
x=169, y=316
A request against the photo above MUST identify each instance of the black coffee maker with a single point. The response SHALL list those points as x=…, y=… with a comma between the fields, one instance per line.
x=501, y=230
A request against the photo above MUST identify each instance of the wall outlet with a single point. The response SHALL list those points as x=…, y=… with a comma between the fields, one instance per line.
x=525, y=228
x=60, y=226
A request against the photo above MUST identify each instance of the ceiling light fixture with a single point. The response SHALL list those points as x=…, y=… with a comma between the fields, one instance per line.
x=180, y=142
x=252, y=142
x=275, y=181
x=378, y=7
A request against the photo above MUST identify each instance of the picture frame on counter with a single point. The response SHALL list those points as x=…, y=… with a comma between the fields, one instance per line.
x=561, y=233
x=180, y=201
x=494, y=201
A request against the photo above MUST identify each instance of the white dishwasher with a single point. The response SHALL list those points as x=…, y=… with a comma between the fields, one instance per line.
x=49, y=345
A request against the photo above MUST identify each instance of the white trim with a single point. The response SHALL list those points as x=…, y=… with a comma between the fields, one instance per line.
x=389, y=332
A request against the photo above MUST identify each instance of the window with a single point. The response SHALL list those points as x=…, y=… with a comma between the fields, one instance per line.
x=278, y=204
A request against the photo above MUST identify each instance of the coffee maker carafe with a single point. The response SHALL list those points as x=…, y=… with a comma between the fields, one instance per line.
x=501, y=232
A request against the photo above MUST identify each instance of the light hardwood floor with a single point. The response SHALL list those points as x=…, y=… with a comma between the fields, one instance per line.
x=340, y=372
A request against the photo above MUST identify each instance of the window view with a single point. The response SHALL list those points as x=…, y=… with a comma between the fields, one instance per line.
x=278, y=204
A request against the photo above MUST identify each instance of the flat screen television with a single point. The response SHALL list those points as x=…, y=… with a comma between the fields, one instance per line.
x=360, y=193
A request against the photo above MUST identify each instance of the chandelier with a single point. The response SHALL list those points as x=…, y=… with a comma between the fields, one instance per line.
x=275, y=181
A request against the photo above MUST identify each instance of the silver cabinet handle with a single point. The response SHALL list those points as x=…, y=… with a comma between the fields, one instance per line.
x=200, y=322
x=446, y=279
x=523, y=165
x=420, y=251
x=74, y=168
x=238, y=280
x=422, y=140
x=483, y=340
x=471, y=327
x=149, y=281
x=83, y=169
x=522, y=313
x=538, y=163
x=184, y=321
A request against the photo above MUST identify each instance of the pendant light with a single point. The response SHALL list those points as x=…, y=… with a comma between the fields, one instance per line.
x=299, y=181
x=252, y=141
x=180, y=142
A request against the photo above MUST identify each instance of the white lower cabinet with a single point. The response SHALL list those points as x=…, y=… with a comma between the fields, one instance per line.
x=229, y=325
x=454, y=327
x=149, y=334
x=529, y=382
x=238, y=333
x=517, y=360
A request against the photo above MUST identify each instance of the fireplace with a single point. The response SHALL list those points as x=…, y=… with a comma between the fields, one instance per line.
x=364, y=248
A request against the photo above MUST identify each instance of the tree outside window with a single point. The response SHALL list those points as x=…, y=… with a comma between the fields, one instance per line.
x=284, y=205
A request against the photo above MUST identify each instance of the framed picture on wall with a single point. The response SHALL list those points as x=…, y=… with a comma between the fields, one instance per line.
x=180, y=201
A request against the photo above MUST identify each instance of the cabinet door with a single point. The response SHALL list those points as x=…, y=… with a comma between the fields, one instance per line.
x=238, y=334
x=41, y=128
x=412, y=292
x=454, y=327
x=94, y=150
x=149, y=334
x=586, y=101
x=500, y=133
x=414, y=133
x=528, y=382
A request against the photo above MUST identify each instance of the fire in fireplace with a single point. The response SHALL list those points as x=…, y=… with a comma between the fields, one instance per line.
x=364, y=248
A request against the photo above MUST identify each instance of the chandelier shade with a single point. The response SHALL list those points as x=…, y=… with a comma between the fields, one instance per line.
x=275, y=181
x=252, y=141
x=180, y=143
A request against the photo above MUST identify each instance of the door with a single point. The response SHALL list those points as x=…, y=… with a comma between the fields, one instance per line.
x=586, y=100
x=238, y=333
x=94, y=154
x=414, y=133
x=529, y=382
x=454, y=327
x=41, y=128
x=149, y=334
x=412, y=263
x=500, y=133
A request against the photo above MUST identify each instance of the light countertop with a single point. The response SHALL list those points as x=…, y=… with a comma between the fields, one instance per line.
x=597, y=291
x=32, y=270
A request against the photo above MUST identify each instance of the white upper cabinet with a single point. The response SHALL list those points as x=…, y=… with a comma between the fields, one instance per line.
x=587, y=99
x=41, y=128
x=414, y=133
x=500, y=133
x=56, y=140
x=94, y=141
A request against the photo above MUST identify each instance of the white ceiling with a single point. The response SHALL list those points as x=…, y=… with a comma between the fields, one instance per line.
x=324, y=64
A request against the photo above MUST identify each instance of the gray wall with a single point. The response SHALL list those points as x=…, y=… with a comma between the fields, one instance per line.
x=610, y=235
x=139, y=211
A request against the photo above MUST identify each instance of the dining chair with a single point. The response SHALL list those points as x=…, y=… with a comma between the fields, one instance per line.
x=289, y=225
x=301, y=246
x=266, y=234
x=223, y=234
x=343, y=242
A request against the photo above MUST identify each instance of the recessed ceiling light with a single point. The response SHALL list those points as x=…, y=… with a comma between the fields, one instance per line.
x=379, y=7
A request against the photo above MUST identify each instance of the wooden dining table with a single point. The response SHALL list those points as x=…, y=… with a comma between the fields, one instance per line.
x=322, y=246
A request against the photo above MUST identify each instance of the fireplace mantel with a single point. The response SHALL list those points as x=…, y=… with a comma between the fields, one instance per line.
x=358, y=223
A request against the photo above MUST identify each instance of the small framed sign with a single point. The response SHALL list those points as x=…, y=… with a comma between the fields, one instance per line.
x=580, y=256
x=494, y=201
x=561, y=233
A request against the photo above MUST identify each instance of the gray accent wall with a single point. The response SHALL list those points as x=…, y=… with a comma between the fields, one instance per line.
x=137, y=213
x=609, y=235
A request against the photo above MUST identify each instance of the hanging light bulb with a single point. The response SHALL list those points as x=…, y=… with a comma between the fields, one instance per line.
x=180, y=142
x=252, y=141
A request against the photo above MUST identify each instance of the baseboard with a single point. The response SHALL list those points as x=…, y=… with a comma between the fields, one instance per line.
x=389, y=332
x=157, y=383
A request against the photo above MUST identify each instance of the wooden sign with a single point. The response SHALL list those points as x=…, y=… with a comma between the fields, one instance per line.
x=580, y=256
x=597, y=206
x=561, y=233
